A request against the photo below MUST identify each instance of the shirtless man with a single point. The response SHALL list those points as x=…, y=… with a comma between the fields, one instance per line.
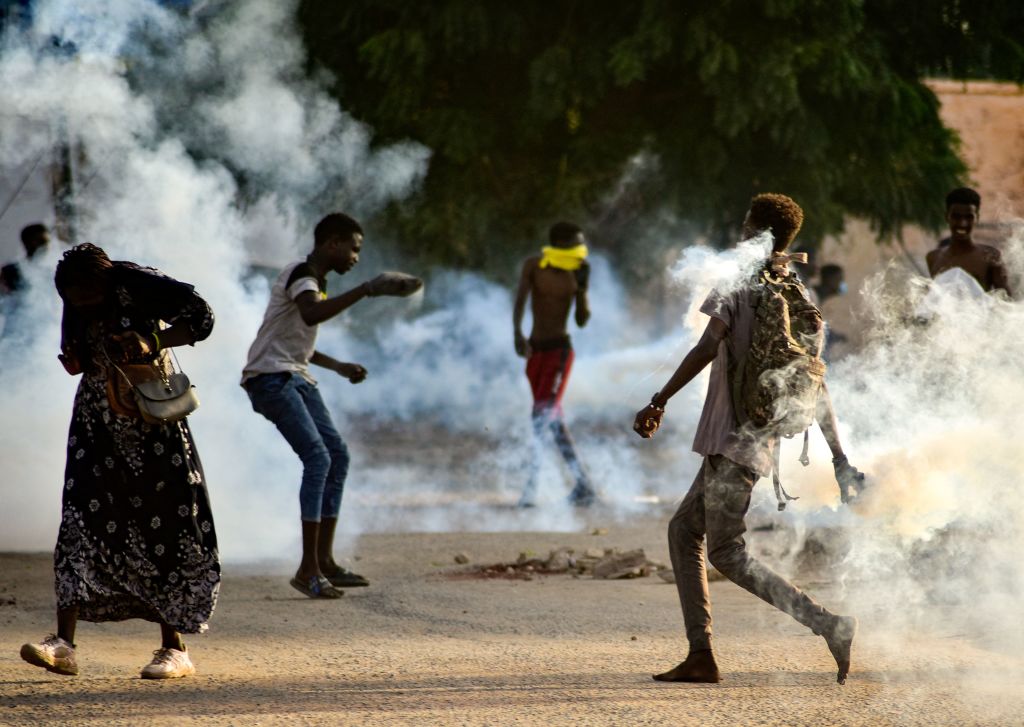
x=553, y=280
x=983, y=262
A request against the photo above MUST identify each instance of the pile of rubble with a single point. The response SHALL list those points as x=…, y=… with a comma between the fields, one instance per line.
x=600, y=563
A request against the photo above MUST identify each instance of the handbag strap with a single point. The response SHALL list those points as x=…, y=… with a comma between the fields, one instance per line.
x=103, y=347
x=155, y=364
x=175, y=364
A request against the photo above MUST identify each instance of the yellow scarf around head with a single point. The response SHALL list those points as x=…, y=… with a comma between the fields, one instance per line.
x=563, y=258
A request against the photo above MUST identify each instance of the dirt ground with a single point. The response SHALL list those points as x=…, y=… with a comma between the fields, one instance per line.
x=420, y=648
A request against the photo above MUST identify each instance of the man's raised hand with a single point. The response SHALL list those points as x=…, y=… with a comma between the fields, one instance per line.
x=648, y=420
x=395, y=284
x=351, y=371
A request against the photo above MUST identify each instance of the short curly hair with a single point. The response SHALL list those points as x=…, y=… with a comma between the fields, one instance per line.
x=778, y=213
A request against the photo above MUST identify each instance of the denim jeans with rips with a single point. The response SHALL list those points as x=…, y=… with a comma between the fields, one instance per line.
x=295, y=407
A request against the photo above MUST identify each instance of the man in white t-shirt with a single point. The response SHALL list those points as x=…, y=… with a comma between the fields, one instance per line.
x=280, y=387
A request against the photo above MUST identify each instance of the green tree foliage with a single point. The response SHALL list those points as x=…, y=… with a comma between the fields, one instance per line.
x=619, y=113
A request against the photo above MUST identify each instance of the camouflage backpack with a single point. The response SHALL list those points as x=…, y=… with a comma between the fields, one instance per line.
x=775, y=389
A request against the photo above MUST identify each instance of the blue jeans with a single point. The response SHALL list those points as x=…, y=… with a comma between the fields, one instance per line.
x=296, y=409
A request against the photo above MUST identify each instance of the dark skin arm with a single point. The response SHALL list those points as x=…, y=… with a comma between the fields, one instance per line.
x=851, y=480
x=826, y=417
x=700, y=356
x=132, y=346
x=649, y=418
x=351, y=371
x=582, y=301
x=522, y=295
x=315, y=310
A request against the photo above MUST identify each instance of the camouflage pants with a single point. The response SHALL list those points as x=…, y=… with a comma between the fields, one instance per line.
x=716, y=505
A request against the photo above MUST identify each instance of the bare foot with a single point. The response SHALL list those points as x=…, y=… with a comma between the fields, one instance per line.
x=840, y=643
x=699, y=667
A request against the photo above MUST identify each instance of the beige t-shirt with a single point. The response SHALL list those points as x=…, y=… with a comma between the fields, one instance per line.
x=718, y=431
x=284, y=342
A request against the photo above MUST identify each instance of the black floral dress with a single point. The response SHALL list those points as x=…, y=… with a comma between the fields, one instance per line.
x=136, y=537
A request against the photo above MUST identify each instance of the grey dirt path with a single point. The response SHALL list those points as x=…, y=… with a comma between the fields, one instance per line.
x=417, y=648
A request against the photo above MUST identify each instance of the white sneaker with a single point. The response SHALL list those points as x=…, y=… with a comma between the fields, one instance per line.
x=53, y=654
x=168, y=664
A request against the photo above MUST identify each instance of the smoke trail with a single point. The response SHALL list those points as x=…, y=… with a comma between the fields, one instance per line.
x=162, y=194
x=931, y=408
x=201, y=146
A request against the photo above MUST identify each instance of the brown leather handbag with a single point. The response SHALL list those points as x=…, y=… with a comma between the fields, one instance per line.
x=153, y=391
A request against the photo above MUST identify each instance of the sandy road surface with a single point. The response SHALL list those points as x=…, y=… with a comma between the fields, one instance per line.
x=417, y=648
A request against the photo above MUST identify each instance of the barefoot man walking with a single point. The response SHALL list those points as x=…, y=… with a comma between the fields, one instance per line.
x=736, y=456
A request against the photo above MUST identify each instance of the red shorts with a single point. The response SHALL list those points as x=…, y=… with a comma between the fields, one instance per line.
x=548, y=372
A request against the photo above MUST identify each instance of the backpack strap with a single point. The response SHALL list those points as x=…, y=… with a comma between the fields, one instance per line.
x=780, y=492
x=804, y=459
x=752, y=296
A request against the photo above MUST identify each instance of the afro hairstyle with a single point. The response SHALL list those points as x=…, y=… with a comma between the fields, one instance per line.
x=778, y=213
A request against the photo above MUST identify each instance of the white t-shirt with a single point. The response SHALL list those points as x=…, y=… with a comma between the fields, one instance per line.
x=284, y=342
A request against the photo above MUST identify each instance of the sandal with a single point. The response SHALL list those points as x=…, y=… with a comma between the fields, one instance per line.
x=342, y=578
x=316, y=587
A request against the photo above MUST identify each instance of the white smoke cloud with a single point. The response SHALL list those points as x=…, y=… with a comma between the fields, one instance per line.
x=149, y=191
x=157, y=108
x=929, y=411
x=701, y=269
x=930, y=408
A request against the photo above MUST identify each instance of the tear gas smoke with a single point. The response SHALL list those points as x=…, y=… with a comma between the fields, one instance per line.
x=929, y=409
x=157, y=108
x=147, y=192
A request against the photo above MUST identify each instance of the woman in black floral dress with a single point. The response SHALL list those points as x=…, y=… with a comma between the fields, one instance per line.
x=136, y=537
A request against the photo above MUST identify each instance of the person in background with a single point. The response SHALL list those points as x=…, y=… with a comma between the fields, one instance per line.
x=553, y=281
x=983, y=262
x=34, y=237
x=831, y=284
x=136, y=537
